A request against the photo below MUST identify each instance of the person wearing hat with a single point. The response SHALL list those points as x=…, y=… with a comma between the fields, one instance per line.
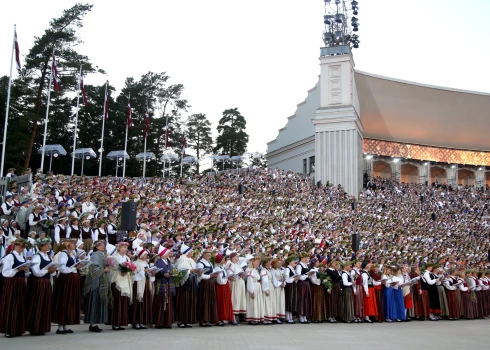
x=163, y=306
x=86, y=235
x=73, y=230
x=35, y=220
x=96, y=289
x=279, y=280
x=112, y=229
x=5, y=233
x=60, y=232
x=141, y=309
x=186, y=300
x=348, y=292
x=255, y=302
x=48, y=222
x=100, y=232
x=304, y=291
x=122, y=289
x=39, y=290
x=11, y=173
x=268, y=290
x=207, y=308
x=13, y=303
x=23, y=215
x=290, y=290
x=223, y=293
x=67, y=290
x=236, y=278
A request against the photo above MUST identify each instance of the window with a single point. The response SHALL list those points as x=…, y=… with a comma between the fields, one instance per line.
x=305, y=168
x=312, y=165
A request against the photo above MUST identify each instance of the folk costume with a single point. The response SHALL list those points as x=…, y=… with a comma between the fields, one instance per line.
x=207, y=308
x=141, y=309
x=187, y=291
x=163, y=306
x=223, y=293
x=255, y=301
x=122, y=293
x=238, y=291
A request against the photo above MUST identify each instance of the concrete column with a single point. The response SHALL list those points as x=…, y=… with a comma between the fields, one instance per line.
x=452, y=175
x=480, y=177
x=396, y=170
x=368, y=166
x=424, y=173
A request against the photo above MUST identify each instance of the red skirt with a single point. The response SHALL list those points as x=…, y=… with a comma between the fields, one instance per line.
x=120, y=308
x=66, y=296
x=422, y=304
x=370, y=304
x=468, y=309
x=12, y=306
x=39, y=299
x=452, y=304
x=408, y=301
x=225, y=307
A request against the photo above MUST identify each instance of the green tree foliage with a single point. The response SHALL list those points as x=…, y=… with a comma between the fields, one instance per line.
x=199, y=136
x=232, y=138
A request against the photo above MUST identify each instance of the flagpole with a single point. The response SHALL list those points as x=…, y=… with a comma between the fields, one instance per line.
x=126, y=143
x=8, y=105
x=47, y=114
x=76, y=124
x=103, y=125
x=144, y=162
x=181, y=162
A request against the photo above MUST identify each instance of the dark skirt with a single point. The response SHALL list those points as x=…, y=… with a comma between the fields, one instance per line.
x=66, y=306
x=348, y=304
x=452, y=304
x=328, y=303
x=434, y=303
x=291, y=296
x=141, y=311
x=225, y=307
x=304, y=298
x=96, y=310
x=480, y=304
x=378, y=291
x=467, y=303
x=112, y=239
x=120, y=308
x=319, y=312
x=424, y=304
x=163, y=309
x=336, y=301
x=359, y=302
x=40, y=304
x=207, y=304
x=13, y=307
x=185, y=306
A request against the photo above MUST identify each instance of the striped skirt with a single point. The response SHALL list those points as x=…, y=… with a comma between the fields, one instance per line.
x=120, y=308
x=348, y=314
x=378, y=291
x=359, y=303
x=280, y=302
x=291, y=296
x=336, y=301
x=39, y=301
x=186, y=302
x=66, y=296
x=238, y=296
x=443, y=301
x=255, y=305
x=304, y=298
x=452, y=304
x=319, y=312
x=467, y=303
x=141, y=311
x=207, y=304
x=13, y=306
x=163, y=308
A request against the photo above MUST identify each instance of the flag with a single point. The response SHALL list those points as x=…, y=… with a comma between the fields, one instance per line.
x=147, y=124
x=55, y=75
x=82, y=87
x=17, y=51
x=106, y=104
x=129, y=121
x=184, y=144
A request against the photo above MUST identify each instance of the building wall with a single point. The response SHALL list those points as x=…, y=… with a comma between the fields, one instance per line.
x=292, y=158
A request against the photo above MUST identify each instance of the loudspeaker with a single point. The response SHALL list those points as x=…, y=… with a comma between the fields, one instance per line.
x=433, y=216
x=353, y=205
x=128, y=216
x=355, y=242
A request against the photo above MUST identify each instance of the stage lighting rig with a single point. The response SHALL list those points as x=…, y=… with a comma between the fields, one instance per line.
x=340, y=23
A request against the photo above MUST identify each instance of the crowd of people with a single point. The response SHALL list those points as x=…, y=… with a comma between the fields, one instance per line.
x=262, y=247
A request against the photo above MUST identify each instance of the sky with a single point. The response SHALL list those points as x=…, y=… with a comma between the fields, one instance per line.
x=261, y=56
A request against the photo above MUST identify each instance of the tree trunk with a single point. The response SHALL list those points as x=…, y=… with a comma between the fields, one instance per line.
x=36, y=117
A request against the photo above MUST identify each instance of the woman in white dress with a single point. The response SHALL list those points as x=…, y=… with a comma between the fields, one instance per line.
x=268, y=289
x=186, y=301
x=237, y=284
x=255, y=302
x=279, y=281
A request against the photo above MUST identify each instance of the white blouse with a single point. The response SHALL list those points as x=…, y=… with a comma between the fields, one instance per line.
x=8, y=262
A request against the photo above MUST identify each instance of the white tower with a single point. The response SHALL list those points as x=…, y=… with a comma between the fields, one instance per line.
x=338, y=128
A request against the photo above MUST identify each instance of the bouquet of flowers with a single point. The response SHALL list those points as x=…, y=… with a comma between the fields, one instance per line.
x=326, y=280
x=49, y=223
x=127, y=267
x=109, y=262
x=178, y=276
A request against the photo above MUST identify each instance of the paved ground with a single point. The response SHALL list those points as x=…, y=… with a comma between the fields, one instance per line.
x=463, y=335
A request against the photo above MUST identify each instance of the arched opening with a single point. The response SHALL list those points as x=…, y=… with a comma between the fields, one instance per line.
x=466, y=177
x=409, y=173
x=439, y=174
x=381, y=169
x=487, y=177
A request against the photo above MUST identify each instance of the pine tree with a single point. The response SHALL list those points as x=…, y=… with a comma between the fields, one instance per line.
x=232, y=138
x=199, y=136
